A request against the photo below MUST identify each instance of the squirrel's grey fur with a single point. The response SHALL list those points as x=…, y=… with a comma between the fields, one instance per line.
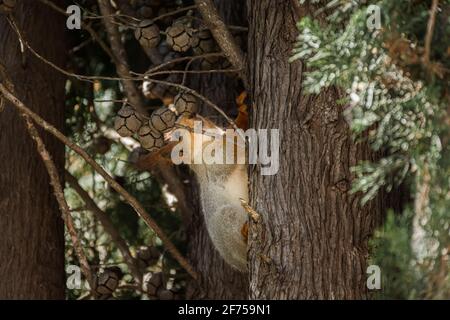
x=221, y=188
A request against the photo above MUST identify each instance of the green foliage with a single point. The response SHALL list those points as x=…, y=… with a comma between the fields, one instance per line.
x=397, y=98
x=393, y=240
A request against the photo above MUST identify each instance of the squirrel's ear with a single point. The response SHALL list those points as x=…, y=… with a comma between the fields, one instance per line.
x=240, y=100
x=187, y=122
x=242, y=118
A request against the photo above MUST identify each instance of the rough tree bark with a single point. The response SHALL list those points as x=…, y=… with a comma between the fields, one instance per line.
x=218, y=280
x=311, y=242
x=31, y=229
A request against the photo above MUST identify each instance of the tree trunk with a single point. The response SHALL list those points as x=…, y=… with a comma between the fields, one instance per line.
x=311, y=241
x=31, y=229
x=218, y=280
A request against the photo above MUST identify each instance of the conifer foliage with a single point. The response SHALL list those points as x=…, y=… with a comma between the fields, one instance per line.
x=392, y=58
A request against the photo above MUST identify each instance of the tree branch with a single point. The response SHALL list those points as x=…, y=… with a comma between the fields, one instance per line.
x=85, y=26
x=59, y=194
x=222, y=35
x=8, y=87
x=107, y=225
x=118, y=50
x=139, y=209
x=127, y=78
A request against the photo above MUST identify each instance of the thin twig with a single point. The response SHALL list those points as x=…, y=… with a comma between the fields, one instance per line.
x=84, y=25
x=185, y=72
x=8, y=87
x=94, y=78
x=59, y=194
x=182, y=59
x=139, y=209
x=90, y=79
x=171, y=13
x=107, y=225
x=23, y=41
x=118, y=50
x=94, y=16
